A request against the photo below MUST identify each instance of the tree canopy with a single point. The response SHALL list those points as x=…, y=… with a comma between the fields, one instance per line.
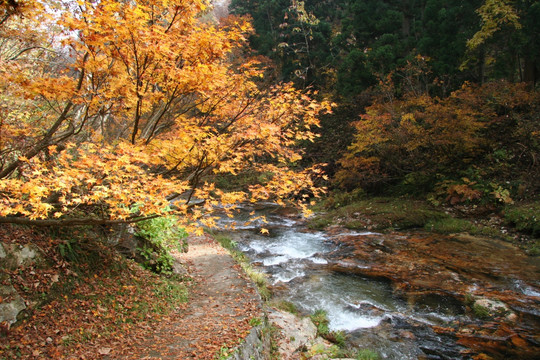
x=113, y=111
x=429, y=92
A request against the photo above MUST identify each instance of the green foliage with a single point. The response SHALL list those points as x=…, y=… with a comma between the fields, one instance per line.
x=525, y=217
x=337, y=337
x=255, y=321
x=320, y=319
x=160, y=235
x=286, y=306
x=158, y=260
x=534, y=248
x=431, y=133
x=224, y=353
x=469, y=300
x=163, y=230
x=339, y=199
x=481, y=312
x=70, y=250
x=366, y=354
x=449, y=226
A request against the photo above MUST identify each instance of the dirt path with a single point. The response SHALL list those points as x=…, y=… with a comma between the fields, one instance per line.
x=222, y=302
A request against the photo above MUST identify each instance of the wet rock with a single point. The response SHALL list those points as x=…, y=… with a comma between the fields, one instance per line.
x=437, y=274
x=365, y=309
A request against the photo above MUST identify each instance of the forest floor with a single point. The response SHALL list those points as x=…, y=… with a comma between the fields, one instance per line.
x=222, y=307
x=100, y=306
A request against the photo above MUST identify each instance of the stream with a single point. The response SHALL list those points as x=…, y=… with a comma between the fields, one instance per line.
x=404, y=295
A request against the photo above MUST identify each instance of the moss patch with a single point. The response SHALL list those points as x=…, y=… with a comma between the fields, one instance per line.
x=379, y=214
x=525, y=217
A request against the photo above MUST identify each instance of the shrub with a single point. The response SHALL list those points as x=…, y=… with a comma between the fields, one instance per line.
x=160, y=235
x=525, y=217
x=320, y=319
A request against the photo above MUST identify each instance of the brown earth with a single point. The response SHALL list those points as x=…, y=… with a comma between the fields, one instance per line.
x=89, y=320
x=222, y=303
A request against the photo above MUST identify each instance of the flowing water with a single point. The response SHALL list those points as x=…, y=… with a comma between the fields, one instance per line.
x=301, y=264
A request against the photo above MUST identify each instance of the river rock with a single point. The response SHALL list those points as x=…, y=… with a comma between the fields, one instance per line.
x=495, y=307
x=12, y=304
x=438, y=274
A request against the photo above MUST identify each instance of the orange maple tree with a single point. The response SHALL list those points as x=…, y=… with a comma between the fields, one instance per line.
x=113, y=110
x=410, y=136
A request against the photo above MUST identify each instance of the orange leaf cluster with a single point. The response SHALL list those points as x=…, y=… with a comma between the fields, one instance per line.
x=132, y=104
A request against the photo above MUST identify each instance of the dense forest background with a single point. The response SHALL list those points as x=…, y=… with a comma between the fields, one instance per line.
x=433, y=97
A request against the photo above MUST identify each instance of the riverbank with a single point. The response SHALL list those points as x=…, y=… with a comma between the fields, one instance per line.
x=403, y=294
x=516, y=223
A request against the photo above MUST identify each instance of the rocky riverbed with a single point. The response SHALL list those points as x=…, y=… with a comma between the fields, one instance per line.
x=406, y=295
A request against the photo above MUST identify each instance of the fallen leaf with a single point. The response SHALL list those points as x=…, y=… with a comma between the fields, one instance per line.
x=104, y=351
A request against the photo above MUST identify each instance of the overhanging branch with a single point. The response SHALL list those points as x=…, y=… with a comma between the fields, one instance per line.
x=72, y=221
x=88, y=221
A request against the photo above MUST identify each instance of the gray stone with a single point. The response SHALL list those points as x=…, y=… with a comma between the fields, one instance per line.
x=256, y=346
x=19, y=255
x=26, y=254
x=297, y=334
x=12, y=305
x=2, y=251
x=179, y=268
x=126, y=240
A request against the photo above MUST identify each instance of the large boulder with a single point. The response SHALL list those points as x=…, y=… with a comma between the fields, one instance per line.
x=298, y=337
x=13, y=256
x=297, y=334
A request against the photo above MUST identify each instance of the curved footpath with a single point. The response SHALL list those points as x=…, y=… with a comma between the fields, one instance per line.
x=223, y=302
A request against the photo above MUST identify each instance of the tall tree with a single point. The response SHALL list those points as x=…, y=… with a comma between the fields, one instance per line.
x=506, y=45
x=124, y=106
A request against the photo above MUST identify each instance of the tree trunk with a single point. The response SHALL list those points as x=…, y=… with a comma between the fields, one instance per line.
x=530, y=74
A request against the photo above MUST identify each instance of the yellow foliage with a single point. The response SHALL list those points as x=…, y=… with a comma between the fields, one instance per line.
x=133, y=104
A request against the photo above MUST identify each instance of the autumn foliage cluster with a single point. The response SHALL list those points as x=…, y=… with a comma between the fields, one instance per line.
x=112, y=110
x=480, y=141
